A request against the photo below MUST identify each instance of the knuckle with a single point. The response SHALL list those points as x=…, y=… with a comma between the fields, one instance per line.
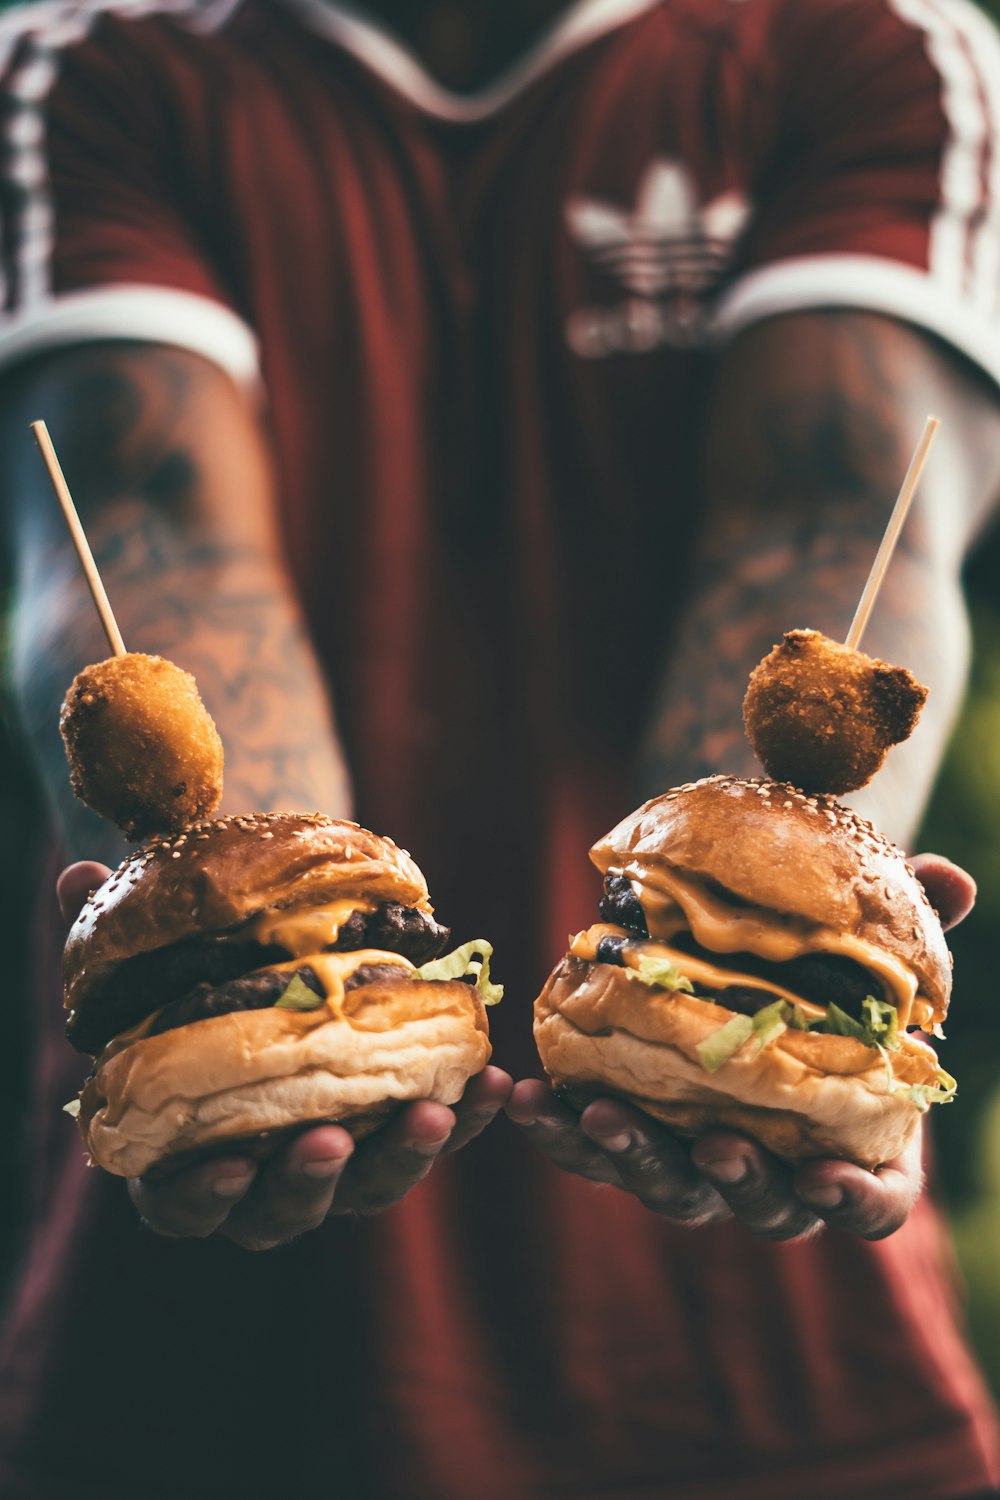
x=692, y=1208
x=795, y=1226
x=309, y=1223
x=643, y=1166
x=252, y=1243
x=883, y=1229
x=279, y=1230
x=258, y=1238
x=367, y=1205
x=177, y=1229
x=601, y=1173
x=459, y=1138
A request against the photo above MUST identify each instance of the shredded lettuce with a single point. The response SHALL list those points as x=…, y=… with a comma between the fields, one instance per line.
x=837, y=1022
x=661, y=972
x=716, y=1050
x=298, y=996
x=765, y=1027
x=472, y=958
x=795, y=1017
x=923, y=1095
x=769, y=1023
x=879, y=1026
x=72, y=1108
x=882, y=1021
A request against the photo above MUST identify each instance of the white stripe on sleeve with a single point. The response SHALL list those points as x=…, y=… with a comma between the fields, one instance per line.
x=964, y=47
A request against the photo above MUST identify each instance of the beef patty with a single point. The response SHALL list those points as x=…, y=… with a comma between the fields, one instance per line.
x=148, y=981
x=824, y=978
x=257, y=992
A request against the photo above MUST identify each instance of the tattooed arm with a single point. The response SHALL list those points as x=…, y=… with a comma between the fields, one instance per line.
x=809, y=432
x=170, y=473
x=171, y=476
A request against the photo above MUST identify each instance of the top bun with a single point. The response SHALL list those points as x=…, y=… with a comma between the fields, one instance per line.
x=769, y=844
x=217, y=874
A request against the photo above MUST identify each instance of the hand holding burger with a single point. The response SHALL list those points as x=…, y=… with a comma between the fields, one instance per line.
x=730, y=1103
x=205, y=1076
x=258, y=992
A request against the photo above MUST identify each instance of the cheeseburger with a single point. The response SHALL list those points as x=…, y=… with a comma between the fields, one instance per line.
x=765, y=963
x=254, y=975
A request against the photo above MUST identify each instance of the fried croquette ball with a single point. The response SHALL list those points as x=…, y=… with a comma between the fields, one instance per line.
x=142, y=747
x=823, y=716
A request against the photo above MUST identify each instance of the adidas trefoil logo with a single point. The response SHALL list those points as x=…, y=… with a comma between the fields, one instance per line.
x=667, y=254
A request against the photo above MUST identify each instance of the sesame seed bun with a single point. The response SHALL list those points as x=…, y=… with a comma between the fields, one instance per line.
x=251, y=1078
x=601, y=1032
x=163, y=1095
x=761, y=858
x=218, y=874
x=771, y=845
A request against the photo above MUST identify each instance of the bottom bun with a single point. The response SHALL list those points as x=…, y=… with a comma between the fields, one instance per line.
x=251, y=1078
x=601, y=1031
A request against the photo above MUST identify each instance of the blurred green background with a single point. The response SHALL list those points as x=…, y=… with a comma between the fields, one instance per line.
x=963, y=822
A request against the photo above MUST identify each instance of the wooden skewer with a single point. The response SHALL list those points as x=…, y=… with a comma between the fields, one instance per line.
x=79, y=536
x=884, y=554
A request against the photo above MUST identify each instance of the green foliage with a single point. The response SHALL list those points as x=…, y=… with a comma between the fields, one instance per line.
x=963, y=822
x=976, y=1232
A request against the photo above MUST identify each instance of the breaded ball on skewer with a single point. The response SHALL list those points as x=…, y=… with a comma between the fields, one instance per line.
x=823, y=716
x=142, y=747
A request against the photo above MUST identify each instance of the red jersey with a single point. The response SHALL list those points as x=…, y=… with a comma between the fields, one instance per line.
x=479, y=323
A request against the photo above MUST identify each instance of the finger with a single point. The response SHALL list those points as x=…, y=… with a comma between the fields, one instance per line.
x=75, y=884
x=484, y=1098
x=554, y=1129
x=950, y=889
x=757, y=1187
x=652, y=1163
x=388, y=1164
x=871, y=1205
x=195, y=1202
x=293, y=1192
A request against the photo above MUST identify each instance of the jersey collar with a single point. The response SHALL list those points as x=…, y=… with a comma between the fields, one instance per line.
x=385, y=54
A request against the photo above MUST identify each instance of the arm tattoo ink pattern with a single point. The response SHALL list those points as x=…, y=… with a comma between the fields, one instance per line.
x=192, y=576
x=799, y=480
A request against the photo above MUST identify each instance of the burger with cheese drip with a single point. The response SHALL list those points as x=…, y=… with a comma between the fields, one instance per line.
x=766, y=962
x=252, y=976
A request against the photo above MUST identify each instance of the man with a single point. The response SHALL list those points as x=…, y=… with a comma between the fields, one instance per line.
x=524, y=420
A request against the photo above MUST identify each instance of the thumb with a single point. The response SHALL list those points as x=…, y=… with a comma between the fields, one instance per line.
x=76, y=883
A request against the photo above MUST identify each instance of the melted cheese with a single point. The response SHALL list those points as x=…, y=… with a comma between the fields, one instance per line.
x=331, y=969
x=724, y=928
x=698, y=970
x=664, y=918
x=306, y=929
x=922, y=1014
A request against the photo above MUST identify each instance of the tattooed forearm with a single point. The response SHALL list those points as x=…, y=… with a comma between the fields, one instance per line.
x=188, y=551
x=809, y=437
